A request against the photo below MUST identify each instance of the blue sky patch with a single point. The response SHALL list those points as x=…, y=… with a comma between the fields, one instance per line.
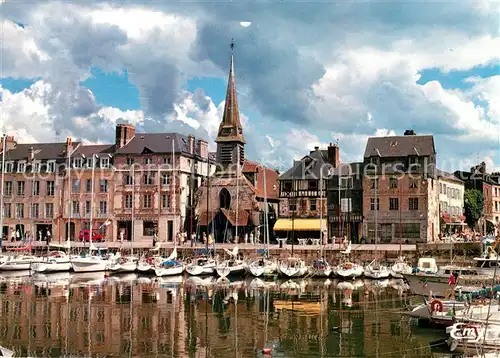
x=214, y=87
x=15, y=85
x=455, y=79
x=113, y=89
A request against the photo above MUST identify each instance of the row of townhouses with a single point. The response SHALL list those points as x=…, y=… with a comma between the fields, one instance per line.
x=395, y=194
x=147, y=179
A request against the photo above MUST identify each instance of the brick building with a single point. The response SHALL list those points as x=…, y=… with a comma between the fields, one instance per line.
x=302, y=192
x=156, y=175
x=231, y=202
x=400, y=190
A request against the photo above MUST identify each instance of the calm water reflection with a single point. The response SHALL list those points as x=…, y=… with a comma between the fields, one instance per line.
x=130, y=316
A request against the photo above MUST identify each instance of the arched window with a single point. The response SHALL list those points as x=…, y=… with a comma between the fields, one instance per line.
x=224, y=199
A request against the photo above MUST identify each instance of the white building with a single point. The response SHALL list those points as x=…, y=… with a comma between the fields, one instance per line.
x=451, y=200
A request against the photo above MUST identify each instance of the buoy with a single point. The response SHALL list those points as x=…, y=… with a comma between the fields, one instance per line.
x=267, y=350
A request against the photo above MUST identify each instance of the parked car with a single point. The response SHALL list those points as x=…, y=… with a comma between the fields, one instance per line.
x=96, y=236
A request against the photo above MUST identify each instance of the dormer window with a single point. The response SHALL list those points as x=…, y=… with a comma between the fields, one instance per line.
x=21, y=167
x=105, y=163
x=77, y=163
x=36, y=167
x=90, y=162
x=413, y=160
x=51, y=166
x=148, y=161
x=9, y=167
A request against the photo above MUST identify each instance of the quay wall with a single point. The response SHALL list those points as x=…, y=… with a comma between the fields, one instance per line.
x=462, y=252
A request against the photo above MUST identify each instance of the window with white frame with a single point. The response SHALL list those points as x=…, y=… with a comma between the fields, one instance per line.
x=105, y=163
x=6, y=210
x=36, y=167
x=51, y=166
x=103, y=185
x=165, y=179
x=164, y=201
x=128, y=201
x=90, y=162
x=147, y=201
x=9, y=167
x=75, y=207
x=35, y=190
x=77, y=163
x=7, y=189
x=21, y=167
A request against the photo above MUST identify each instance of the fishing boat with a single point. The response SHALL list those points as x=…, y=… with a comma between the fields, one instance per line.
x=54, y=261
x=201, y=266
x=428, y=278
x=232, y=266
x=292, y=267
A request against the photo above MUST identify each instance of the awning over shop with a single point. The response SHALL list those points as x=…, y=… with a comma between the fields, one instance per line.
x=299, y=225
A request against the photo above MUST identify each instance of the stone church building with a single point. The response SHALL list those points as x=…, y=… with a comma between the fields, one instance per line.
x=231, y=202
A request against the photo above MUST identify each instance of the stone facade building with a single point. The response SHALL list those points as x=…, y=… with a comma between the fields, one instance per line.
x=32, y=190
x=400, y=189
x=231, y=202
x=138, y=179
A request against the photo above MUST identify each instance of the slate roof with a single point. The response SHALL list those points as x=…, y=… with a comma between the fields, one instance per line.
x=346, y=169
x=446, y=175
x=309, y=167
x=88, y=150
x=400, y=146
x=43, y=151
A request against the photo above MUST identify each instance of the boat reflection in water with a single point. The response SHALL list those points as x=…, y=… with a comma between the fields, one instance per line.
x=129, y=315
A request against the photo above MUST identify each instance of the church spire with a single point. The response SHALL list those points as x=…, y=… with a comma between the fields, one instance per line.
x=230, y=129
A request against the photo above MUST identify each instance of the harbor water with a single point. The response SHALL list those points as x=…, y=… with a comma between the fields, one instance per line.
x=133, y=316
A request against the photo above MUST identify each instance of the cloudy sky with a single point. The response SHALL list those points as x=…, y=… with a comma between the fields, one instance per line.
x=308, y=73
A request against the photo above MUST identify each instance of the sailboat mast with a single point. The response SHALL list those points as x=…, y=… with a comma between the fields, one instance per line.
x=321, y=210
x=173, y=183
x=132, y=213
x=92, y=176
x=376, y=211
x=400, y=220
x=266, y=213
x=208, y=196
x=295, y=200
x=4, y=140
x=70, y=209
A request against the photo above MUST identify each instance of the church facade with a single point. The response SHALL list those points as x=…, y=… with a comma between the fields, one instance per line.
x=231, y=203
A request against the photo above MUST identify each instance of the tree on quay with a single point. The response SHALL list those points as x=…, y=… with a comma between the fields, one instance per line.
x=473, y=204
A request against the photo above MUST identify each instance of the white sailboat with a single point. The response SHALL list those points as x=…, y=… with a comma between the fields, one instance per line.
x=375, y=269
x=90, y=262
x=265, y=266
x=201, y=266
x=121, y=264
x=293, y=267
x=232, y=266
x=55, y=261
x=18, y=263
x=400, y=268
x=348, y=269
x=170, y=266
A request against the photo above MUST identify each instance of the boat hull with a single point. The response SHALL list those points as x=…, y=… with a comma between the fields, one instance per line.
x=125, y=267
x=257, y=269
x=47, y=267
x=84, y=265
x=425, y=284
x=224, y=271
x=197, y=270
x=15, y=266
x=169, y=271
x=144, y=267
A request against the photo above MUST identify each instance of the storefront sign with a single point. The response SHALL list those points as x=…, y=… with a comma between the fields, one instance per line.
x=346, y=218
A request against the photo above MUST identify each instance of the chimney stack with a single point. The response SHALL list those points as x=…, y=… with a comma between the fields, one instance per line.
x=202, y=148
x=191, y=143
x=334, y=155
x=410, y=132
x=124, y=133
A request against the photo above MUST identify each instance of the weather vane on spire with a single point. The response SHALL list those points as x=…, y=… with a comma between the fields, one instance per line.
x=231, y=46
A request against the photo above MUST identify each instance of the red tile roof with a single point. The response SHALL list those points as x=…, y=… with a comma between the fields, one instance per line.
x=271, y=179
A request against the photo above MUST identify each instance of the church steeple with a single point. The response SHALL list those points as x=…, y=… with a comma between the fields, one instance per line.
x=230, y=140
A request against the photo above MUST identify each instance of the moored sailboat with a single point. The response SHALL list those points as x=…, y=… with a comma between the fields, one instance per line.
x=170, y=266
x=232, y=266
x=201, y=266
